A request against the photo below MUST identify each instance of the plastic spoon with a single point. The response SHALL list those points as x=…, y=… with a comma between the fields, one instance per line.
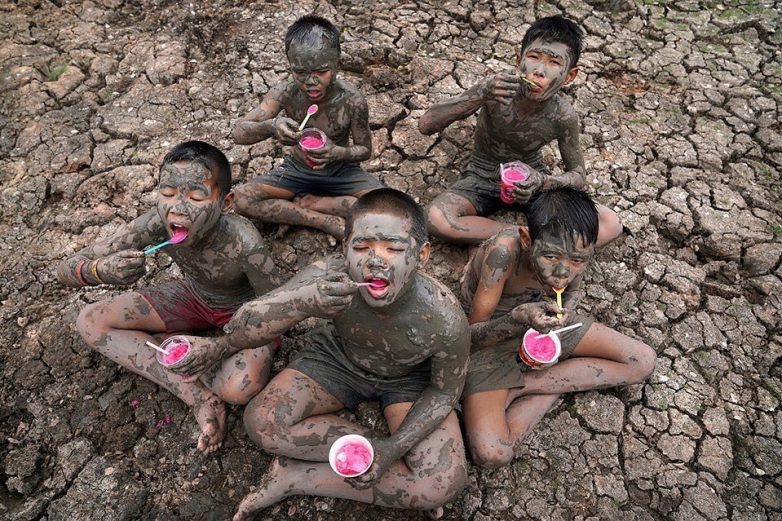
x=559, y=292
x=179, y=235
x=153, y=346
x=563, y=329
x=312, y=109
x=527, y=81
x=374, y=284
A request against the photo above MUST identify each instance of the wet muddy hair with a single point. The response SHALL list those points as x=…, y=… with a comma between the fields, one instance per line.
x=394, y=202
x=311, y=31
x=556, y=29
x=563, y=210
x=205, y=154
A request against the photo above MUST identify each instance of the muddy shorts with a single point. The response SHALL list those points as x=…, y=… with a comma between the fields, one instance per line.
x=483, y=194
x=182, y=310
x=326, y=363
x=497, y=367
x=338, y=178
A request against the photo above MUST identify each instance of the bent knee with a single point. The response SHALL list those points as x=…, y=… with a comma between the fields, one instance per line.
x=491, y=455
x=644, y=364
x=437, y=222
x=239, y=393
x=261, y=426
x=90, y=325
x=610, y=226
x=442, y=488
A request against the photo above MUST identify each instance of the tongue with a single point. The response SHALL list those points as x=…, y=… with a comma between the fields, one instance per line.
x=377, y=284
x=179, y=235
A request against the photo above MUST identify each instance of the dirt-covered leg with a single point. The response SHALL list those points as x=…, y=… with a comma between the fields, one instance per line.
x=242, y=375
x=339, y=205
x=453, y=218
x=119, y=328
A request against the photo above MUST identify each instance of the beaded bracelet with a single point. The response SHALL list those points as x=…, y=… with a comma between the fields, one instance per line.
x=79, y=276
x=94, y=272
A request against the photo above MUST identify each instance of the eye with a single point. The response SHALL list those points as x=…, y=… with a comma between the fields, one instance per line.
x=197, y=196
x=550, y=257
x=167, y=192
x=360, y=247
x=577, y=262
x=397, y=249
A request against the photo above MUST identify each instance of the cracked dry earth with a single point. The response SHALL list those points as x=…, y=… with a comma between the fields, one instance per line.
x=680, y=109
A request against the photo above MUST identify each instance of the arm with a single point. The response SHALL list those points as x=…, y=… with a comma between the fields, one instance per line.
x=449, y=369
x=495, y=270
x=362, y=138
x=263, y=274
x=317, y=291
x=261, y=123
x=573, y=294
x=501, y=87
x=570, y=150
x=116, y=259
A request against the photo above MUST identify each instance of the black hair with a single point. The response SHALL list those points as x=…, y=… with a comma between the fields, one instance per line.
x=563, y=210
x=205, y=154
x=394, y=202
x=556, y=29
x=311, y=31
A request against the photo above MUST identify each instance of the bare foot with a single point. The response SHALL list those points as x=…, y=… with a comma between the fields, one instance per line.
x=271, y=490
x=282, y=229
x=334, y=226
x=435, y=513
x=210, y=415
x=308, y=201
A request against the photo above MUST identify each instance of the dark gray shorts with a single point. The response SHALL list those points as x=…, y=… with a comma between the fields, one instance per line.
x=336, y=179
x=326, y=363
x=483, y=194
x=497, y=367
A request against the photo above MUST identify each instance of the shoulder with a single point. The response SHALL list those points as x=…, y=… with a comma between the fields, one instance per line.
x=242, y=229
x=352, y=95
x=284, y=90
x=564, y=112
x=148, y=222
x=502, y=249
x=443, y=305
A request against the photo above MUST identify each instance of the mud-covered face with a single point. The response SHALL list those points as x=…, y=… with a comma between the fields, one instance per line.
x=381, y=250
x=557, y=260
x=313, y=68
x=547, y=64
x=188, y=200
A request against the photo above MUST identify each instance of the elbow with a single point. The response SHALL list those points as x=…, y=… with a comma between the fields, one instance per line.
x=425, y=125
x=239, y=136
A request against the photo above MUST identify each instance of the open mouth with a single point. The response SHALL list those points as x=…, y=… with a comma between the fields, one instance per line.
x=313, y=94
x=178, y=233
x=377, y=287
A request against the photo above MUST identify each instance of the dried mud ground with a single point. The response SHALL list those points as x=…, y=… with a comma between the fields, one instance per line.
x=680, y=110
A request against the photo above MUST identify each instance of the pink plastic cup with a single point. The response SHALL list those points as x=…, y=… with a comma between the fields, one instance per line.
x=537, y=349
x=311, y=139
x=351, y=455
x=177, y=348
x=510, y=174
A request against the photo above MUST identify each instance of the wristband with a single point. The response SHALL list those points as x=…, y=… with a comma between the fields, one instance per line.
x=79, y=276
x=94, y=272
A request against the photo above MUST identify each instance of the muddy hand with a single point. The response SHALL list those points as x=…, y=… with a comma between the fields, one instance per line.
x=205, y=353
x=331, y=295
x=328, y=153
x=383, y=459
x=122, y=268
x=524, y=190
x=541, y=316
x=501, y=87
x=286, y=131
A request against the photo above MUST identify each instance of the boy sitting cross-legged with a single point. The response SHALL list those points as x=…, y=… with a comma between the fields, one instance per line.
x=224, y=264
x=507, y=288
x=395, y=335
x=314, y=189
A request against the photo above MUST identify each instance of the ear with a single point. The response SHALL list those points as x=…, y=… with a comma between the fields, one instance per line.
x=571, y=75
x=524, y=237
x=518, y=57
x=228, y=203
x=423, y=254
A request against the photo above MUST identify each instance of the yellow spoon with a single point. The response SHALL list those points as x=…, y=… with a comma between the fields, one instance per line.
x=559, y=292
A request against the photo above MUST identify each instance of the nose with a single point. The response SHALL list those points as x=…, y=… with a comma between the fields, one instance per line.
x=375, y=261
x=311, y=80
x=560, y=270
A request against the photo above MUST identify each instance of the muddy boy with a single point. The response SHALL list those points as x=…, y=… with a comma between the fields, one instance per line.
x=508, y=288
x=400, y=338
x=518, y=113
x=317, y=188
x=224, y=264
